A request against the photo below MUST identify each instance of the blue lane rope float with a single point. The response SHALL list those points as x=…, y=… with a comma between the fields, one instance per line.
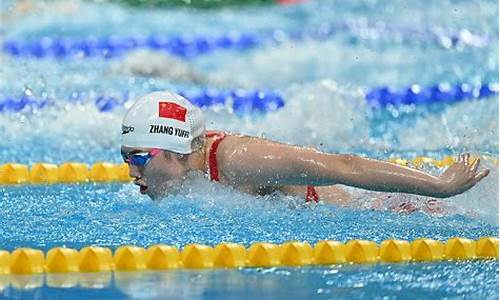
x=439, y=93
x=192, y=46
x=111, y=47
x=241, y=101
x=260, y=101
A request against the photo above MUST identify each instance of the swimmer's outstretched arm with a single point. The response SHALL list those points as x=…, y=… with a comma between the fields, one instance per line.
x=262, y=162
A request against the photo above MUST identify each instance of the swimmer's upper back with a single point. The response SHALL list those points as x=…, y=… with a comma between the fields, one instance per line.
x=223, y=164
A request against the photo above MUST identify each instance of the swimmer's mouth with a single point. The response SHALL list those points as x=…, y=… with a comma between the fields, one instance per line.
x=142, y=188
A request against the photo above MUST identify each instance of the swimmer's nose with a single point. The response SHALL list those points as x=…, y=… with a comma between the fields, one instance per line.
x=133, y=171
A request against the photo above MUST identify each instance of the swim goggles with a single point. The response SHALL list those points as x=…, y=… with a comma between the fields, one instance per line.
x=141, y=160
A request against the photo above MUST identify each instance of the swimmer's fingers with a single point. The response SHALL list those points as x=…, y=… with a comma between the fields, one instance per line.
x=481, y=175
x=459, y=165
x=465, y=163
x=475, y=165
x=463, y=158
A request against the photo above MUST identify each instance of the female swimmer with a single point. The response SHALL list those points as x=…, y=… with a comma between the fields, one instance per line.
x=164, y=138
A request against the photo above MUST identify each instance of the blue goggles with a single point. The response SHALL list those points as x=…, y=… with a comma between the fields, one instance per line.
x=140, y=160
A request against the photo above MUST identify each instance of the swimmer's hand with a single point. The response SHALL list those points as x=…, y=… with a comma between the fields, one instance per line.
x=461, y=176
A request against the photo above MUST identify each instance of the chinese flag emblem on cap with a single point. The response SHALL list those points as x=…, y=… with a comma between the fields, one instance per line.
x=172, y=110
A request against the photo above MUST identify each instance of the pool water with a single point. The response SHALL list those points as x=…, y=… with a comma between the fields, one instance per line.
x=323, y=82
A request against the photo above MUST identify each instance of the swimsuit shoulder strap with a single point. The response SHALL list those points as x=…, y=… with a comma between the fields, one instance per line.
x=312, y=195
x=212, y=155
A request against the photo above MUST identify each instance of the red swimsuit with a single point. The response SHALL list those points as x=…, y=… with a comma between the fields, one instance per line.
x=311, y=195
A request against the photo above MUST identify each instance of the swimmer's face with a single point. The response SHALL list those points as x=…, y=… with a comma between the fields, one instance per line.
x=162, y=170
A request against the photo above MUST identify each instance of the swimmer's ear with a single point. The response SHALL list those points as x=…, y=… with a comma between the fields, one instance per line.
x=167, y=155
x=170, y=155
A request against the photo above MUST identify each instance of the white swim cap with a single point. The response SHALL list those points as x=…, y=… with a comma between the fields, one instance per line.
x=162, y=120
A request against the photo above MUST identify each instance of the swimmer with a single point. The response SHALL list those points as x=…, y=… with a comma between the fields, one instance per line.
x=164, y=138
x=164, y=66
x=148, y=63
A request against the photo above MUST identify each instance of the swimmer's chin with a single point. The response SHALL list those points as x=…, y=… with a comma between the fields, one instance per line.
x=157, y=195
x=171, y=188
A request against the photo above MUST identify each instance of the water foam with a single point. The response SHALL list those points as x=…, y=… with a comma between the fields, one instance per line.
x=471, y=125
x=321, y=114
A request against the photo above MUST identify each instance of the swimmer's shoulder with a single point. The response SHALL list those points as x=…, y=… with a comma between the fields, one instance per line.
x=231, y=142
x=233, y=145
x=236, y=154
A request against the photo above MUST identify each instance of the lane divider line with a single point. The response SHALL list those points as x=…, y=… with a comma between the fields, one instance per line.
x=232, y=255
x=101, y=172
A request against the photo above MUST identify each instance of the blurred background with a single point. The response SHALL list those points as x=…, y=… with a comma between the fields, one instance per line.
x=388, y=76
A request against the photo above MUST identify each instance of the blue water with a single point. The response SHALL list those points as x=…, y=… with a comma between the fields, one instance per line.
x=323, y=84
x=113, y=215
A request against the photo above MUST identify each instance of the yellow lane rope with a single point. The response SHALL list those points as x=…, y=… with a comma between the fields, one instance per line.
x=75, y=172
x=232, y=255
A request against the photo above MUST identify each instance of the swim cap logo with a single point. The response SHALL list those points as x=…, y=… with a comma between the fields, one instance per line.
x=172, y=110
x=127, y=129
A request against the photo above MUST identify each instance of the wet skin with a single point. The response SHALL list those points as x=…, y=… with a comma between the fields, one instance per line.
x=289, y=169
